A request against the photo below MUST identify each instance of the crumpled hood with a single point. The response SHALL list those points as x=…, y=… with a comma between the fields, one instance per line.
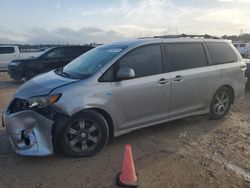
x=42, y=85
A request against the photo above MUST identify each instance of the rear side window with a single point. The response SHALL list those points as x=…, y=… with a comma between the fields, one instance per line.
x=6, y=50
x=145, y=61
x=77, y=51
x=221, y=52
x=242, y=45
x=73, y=52
x=183, y=56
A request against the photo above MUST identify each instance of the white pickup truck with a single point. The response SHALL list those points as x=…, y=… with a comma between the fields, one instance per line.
x=10, y=52
x=243, y=48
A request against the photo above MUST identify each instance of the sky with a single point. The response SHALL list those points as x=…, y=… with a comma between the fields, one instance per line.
x=103, y=21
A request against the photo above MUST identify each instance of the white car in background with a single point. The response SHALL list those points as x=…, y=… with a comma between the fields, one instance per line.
x=243, y=48
x=9, y=53
x=247, y=74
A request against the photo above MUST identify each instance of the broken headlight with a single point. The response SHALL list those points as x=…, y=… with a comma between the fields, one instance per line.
x=43, y=101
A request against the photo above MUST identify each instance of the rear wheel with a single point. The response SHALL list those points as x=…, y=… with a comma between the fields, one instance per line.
x=84, y=135
x=221, y=103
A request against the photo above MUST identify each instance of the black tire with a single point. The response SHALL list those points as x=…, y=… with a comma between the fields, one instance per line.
x=221, y=103
x=77, y=140
x=29, y=75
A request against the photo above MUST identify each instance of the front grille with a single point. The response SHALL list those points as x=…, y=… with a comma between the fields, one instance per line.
x=18, y=105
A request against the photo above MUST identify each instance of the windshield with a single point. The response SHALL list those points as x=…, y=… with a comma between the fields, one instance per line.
x=44, y=52
x=92, y=61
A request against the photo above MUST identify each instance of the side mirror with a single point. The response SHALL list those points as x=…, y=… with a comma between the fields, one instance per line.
x=125, y=73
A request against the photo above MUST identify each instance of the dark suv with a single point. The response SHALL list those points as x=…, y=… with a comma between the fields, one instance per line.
x=52, y=58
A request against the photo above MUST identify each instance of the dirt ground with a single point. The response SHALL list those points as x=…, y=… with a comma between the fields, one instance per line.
x=192, y=152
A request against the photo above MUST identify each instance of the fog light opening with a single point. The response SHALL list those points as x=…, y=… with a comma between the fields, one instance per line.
x=25, y=137
x=27, y=141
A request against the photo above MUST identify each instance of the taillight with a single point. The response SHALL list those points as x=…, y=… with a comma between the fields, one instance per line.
x=243, y=67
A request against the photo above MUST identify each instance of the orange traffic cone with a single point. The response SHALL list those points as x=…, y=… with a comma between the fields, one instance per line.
x=127, y=177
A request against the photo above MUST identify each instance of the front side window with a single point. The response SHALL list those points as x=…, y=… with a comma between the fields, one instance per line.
x=242, y=45
x=221, y=52
x=182, y=56
x=7, y=50
x=108, y=76
x=145, y=61
x=55, y=53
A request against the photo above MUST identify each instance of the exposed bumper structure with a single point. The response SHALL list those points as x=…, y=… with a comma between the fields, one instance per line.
x=29, y=133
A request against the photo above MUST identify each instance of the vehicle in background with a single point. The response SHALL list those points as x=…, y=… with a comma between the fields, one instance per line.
x=9, y=53
x=50, y=59
x=248, y=69
x=243, y=48
x=120, y=87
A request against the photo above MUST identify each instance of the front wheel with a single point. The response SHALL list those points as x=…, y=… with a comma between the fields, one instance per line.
x=85, y=135
x=221, y=103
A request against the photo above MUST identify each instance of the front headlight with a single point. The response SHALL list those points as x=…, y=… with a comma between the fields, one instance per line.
x=43, y=101
x=14, y=63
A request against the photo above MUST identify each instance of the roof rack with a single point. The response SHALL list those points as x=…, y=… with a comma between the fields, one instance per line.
x=206, y=36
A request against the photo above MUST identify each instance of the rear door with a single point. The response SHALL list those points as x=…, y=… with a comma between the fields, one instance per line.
x=144, y=99
x=231, y=68
x=192, y=80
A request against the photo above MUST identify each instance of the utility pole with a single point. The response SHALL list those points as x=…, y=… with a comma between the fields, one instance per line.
x=241, y=32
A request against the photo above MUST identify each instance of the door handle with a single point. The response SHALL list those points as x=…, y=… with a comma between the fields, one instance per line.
x=178, y=78
x=162, y=81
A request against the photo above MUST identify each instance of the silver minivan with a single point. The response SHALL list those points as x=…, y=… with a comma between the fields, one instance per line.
x=120, y=87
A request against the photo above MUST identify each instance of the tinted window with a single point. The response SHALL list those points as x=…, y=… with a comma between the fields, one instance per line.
x=6, y=50
x=145, y=61
x=56, y=53
x=243, y=45
x=221, y=52
x=183, y=56
x=108, y=75
x=73, y=52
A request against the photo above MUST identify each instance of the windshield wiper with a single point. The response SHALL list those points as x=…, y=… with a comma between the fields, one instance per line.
x=65, y=74
x=60, y=72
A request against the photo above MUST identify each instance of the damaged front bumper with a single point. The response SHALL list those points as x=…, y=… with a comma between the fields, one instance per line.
x=29, y=132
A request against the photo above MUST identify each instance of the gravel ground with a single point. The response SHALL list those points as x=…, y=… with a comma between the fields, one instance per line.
x=192, y=152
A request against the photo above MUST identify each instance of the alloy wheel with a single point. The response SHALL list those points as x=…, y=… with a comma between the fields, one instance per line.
x=221, y=103
x=83, y=135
